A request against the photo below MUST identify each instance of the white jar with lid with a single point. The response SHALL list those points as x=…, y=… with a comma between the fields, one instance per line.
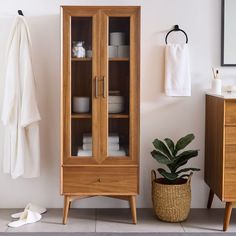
x=78, y=49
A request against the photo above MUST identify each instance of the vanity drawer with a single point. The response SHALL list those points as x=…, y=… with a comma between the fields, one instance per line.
x=230, y=135
x=230, y=112
x=230, y=156
x=100, y=180
x=230, y=184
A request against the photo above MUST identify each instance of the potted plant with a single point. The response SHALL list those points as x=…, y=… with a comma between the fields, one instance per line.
x=171, y=194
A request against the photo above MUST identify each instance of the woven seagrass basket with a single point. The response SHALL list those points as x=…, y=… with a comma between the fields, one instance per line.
x=171, y=203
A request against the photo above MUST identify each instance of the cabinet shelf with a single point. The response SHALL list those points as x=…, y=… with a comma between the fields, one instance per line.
x=89, y=115
x=82, y=115
x=81, y=59
x=119, y=59
x=118, y=116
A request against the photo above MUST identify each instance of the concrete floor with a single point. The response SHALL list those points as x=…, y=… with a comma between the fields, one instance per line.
x=119, y=221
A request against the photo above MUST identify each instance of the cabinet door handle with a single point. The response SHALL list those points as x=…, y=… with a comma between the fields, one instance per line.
x=104, y=87
x=96, y=86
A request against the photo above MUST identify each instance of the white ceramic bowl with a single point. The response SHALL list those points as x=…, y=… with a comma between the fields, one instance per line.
x=116, y=107
x=116, y=99
x=81, y=104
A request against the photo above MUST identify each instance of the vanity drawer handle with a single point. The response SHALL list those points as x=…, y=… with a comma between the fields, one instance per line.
x=99, y=180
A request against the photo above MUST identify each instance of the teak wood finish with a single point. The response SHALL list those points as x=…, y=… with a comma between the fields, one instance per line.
x=220, y=152
x=99, y=175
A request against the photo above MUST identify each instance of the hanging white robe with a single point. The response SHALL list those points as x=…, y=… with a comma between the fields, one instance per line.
x=20, y=114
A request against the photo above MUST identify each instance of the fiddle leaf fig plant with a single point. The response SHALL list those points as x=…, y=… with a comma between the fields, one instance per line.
x=168, y=153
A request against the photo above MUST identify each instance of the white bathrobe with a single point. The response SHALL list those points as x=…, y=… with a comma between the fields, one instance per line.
x=20, y=114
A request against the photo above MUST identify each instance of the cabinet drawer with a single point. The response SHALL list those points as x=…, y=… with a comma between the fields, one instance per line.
x=230, y=135
x=230, y=156
x=230, y=184
x=230, y=112
x=100, y=180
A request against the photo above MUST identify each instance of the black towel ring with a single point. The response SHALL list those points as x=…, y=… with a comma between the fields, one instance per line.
x=176, y=28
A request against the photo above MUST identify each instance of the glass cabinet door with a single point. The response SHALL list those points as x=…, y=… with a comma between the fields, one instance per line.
x=82, y=96
x=117, y=103
x=118, y=86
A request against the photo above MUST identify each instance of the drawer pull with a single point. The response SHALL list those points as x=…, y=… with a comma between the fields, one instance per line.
x=99, y=180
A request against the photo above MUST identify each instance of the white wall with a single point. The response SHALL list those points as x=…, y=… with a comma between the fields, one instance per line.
x=160, y=116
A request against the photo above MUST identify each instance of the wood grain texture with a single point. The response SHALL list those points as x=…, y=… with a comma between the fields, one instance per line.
x=214, y=144
x=99, y=181
x=230, y=112
x=230, y=156
x=230, y=184
x=230, y=135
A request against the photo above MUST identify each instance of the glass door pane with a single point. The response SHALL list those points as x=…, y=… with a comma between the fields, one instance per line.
x=118, y=87
x=81, y=87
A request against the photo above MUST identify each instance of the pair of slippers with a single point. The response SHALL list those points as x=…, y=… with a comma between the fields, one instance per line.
x=31, y=214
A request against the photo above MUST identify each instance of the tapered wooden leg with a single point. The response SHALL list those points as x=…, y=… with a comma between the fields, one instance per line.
x=210, y=199
x=228, y=210
x=132, y=201
x=66, y=209
x=70, y=204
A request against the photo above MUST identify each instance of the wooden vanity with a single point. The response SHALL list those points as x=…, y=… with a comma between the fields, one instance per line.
x=220, y=150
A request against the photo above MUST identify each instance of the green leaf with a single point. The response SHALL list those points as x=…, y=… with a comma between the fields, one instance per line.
x=183, y=142
x=160, y=146
x=187, y=169
x=183, y=158
x=170, y=145
x=167, y=175
x=161, y=158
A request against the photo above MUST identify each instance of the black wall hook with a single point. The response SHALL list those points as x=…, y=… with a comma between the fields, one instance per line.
x=20, y=13
x=176, y=28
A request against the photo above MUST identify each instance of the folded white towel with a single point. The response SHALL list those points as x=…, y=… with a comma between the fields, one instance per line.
x=111, y=146
x=113, y=138
x=84, y=153
x=118, y=153
x=177, y=70
x=88, y=153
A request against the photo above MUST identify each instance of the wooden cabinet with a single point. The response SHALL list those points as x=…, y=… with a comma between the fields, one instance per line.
x=100, y=63
x=220, y=151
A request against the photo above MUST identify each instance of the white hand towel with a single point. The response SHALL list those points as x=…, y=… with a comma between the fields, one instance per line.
x=111, y=146
x=177, y=70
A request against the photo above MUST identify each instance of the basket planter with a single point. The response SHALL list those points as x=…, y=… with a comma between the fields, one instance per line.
x=171, y=203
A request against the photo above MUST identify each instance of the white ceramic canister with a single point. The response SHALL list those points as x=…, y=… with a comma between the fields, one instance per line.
x=216, y=86
x=78, y=49
x=113, y=51
x=123, y=51
x=117, y=38
x=81, y=104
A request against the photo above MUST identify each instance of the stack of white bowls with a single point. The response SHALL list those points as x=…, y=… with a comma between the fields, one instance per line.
x=117, y=47
x=116, y=102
